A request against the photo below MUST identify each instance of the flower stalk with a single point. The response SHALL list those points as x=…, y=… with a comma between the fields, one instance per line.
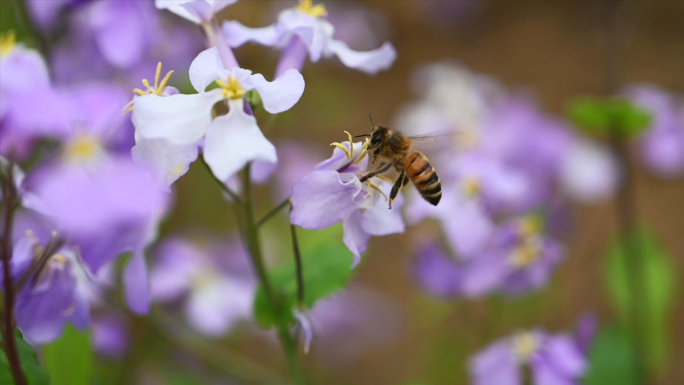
x=11, y=203
x=626, y=200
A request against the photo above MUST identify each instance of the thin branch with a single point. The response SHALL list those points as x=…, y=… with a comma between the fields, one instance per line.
x=226, y=189
x=274, y=211
x=11, y=204
x=36, y=268
x=299, y=266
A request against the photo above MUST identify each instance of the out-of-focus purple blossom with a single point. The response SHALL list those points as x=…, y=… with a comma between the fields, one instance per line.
x=338, y=328
x=302, y=30
x=589, y=172
x=230, y=141
x=110, y=336
x=553, y=359
x=216, y=289
x=296, y=160
x=519, y=258
x=197, y=11
x=662, y=146
x=587, y=326
x=46, y=13
x=59, y=294
x=333, y=193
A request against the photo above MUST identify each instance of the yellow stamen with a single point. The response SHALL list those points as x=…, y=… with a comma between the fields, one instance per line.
x=525, y=345
x=231, y=89
x=307, y=7
x=374, y=187
x=530, y=225
x=351, y=144
x=158, y=88
x=472, y=187
x=8, y=42
x=526, y=254
x=341, y=147
x=82, y=148
x=59, y=258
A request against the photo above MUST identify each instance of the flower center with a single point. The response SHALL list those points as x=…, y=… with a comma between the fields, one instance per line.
x=307, y=7
x=531, y=225
x=472, y=187
x=525, y=345
x=82, y=148
x=8, y=42
x=158, y=88
x=526, y=254
x=231, y=89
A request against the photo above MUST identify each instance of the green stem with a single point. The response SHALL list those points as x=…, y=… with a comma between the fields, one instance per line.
x=252, y=239
x=224, y=188
x=273, y=212
x=298, y=264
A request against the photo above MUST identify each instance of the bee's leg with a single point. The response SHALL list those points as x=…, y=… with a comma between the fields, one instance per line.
x=397, y=186
x=380, y=170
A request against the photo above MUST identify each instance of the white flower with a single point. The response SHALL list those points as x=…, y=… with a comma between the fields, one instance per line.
x=230, y=141
x=197, y=11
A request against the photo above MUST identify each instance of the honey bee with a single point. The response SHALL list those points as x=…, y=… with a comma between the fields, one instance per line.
x=398, y=151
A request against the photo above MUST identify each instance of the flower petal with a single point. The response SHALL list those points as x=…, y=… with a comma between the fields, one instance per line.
x=206, y=68
x=564, y=354
x=181, y=119
x=355, y=237
x=324, y=198
x=234, y=140
x=468, y=230
x=169, y=161
x=437, y=272
x=496, y=365
x=281, y=94
x=196, y=11
x=237, y=34
x=370, y=62
x=136, y=285
x=119, y=32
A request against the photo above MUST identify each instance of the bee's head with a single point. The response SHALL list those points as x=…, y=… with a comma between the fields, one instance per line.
x=377, y=136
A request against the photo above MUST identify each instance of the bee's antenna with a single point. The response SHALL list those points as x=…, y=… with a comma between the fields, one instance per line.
x=371, y=119
x=361, y=136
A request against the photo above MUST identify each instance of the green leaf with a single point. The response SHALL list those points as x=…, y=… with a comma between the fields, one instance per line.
x=657, y=274
x=599, y=117
x=326, y=270
x=35, y=375
x=69, y=360
x=591, y=115
x=612, y=360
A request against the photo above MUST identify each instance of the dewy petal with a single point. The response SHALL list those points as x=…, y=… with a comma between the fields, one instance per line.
x=181, y=119
x=169, y=161
x=370, y=62
x=206, y=68
x=324, y=198
x=281, y=94
x=355, y=237
x=234, y=140
x=136, y=285
x=237, y=34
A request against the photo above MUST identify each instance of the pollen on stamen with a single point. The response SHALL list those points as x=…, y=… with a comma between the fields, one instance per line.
x=231, y=89
x=158, y=88
x=8, y=41
x=350, y=152
x=306, y=6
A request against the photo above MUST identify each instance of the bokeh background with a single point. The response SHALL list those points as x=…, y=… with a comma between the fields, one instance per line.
x=552, y=50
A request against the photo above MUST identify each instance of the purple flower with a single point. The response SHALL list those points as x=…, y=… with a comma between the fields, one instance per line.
x=197, y=11
x=333, y=193
x=553, y=359
x=301, y=31
x=296, y=160
x=662, y=147
x=585, y=332
x=230, y=141
x=110, y=336
x=59, y=294
x=520, y=258
x=589, y=172
x=215, y=296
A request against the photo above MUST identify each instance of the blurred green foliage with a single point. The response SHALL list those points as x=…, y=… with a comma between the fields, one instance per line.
x=612, y=360
x=35, y=375
x=658, y=278
x=603, y=117
x=326, y=270
x=70, y=359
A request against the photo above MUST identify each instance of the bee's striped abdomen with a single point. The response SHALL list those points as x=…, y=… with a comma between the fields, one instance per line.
x=424, y=177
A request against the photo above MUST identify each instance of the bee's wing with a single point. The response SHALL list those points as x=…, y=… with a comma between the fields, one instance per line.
x=435, y=140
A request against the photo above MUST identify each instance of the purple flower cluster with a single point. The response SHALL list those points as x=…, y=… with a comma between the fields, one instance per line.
x=506, y=175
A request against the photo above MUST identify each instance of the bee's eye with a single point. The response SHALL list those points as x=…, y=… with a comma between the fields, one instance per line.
x=375, y=140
